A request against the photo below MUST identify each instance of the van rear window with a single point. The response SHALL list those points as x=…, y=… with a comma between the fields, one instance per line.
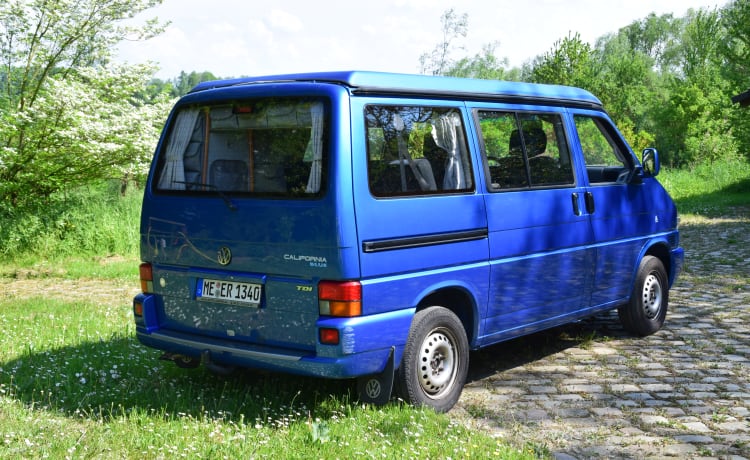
x=271, y=147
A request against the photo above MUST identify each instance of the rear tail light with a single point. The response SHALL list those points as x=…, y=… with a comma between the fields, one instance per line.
x=329, y=336
x=138, y=309
x=340, y=298
x=147, y=278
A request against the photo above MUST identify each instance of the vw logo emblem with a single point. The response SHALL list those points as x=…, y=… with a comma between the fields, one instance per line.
x=224, y=256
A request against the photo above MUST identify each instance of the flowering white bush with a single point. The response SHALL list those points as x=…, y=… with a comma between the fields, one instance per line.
x=67, y=117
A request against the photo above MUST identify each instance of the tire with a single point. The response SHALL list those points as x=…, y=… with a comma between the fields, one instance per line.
x=435, y=361
x=644, y=314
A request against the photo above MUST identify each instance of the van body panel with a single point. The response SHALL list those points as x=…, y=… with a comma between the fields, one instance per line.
x=424, y=231
x=542, y=259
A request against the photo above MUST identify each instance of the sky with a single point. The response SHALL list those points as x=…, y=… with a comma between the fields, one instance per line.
x=232, y=38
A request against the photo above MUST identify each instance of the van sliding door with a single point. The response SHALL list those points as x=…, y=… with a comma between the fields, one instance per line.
x=539, y=234
x=421, y=225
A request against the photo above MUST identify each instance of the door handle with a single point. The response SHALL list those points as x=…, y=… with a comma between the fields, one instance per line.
x=576, y=205
x=589, y=198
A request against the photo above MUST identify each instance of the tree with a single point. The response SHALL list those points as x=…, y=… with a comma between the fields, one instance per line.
x=735, y=50
x=696, y=120
x=485, y=65
x=186, y=81
x=438, y=60
x=628, y=88
x=656, y=37
x=570, y=62
x=68, y=116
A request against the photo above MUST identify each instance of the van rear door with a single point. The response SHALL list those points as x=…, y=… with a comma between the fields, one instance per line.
x=239, y=222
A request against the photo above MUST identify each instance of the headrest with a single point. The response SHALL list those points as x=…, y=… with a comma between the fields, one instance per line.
x=535, y=138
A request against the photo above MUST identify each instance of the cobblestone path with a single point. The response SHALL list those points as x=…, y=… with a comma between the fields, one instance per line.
x=589, y=390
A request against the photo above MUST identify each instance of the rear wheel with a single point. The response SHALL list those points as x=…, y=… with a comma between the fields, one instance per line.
x=435, y=361
x=644, y=314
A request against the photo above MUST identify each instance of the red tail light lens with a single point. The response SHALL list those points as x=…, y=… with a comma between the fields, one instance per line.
x=340, y=298
x=147, y=278
x=329, y=336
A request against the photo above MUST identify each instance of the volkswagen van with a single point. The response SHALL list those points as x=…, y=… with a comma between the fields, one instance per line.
x=380, y=227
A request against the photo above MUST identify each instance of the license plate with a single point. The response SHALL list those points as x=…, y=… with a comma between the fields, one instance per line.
x=229, y=292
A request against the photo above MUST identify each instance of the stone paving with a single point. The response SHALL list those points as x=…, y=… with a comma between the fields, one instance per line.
x=589, y=390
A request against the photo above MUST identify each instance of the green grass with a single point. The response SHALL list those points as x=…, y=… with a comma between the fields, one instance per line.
x=74, y=382
x=93, y=221
x=711, y=189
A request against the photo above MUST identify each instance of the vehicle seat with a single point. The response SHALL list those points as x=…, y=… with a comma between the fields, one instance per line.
x=229, y=175
x=437, y=157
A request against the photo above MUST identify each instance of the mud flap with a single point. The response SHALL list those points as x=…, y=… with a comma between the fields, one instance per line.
x=376, y=388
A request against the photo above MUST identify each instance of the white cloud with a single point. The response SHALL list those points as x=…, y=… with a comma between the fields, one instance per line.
x=285, y=21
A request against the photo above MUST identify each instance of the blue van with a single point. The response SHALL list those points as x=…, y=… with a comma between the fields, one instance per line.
x=381, y=226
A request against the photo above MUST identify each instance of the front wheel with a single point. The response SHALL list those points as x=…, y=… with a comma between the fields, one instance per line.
x=435, y=361
x=644, y=314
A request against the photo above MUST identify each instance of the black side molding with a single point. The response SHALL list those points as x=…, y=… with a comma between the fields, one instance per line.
x=425, y=240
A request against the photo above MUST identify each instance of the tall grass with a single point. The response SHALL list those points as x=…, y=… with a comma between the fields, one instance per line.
x=710, y=189
x=87, y=222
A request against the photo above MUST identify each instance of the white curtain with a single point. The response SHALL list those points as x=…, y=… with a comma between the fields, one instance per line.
x=444, y=134
x=173, y=176
x=316, y=146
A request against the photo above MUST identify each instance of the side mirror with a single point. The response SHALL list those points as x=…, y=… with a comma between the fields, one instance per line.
x=650, y=162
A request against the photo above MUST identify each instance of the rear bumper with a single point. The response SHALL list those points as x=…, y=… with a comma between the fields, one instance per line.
x=365, y=344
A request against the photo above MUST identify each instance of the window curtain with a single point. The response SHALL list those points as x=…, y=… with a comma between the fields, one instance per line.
x=444, y=134
x=316, y=146
x=173, y=176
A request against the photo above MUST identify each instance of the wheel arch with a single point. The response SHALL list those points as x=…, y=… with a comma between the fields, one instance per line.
x=660, y=250
x=458, y=300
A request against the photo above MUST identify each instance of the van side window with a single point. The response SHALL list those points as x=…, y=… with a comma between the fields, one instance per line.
x=416, y=151
x=271, y=147
x=605, y=158
x=525, y=150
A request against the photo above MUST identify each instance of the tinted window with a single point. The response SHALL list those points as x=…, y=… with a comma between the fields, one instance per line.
x=416, y=150
x=525, y=150
x=605, y=158
x=272, y=147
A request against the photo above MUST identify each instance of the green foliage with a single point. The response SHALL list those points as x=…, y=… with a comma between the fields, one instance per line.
x=735, y=67
x=721, y=188
x=176, y=87
x=89, y=221
x=736, y=44
x=68, y=117
x=654, y=36
x=570, y=62
x=666, y=82
x=485, y=66
x=438, y=61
